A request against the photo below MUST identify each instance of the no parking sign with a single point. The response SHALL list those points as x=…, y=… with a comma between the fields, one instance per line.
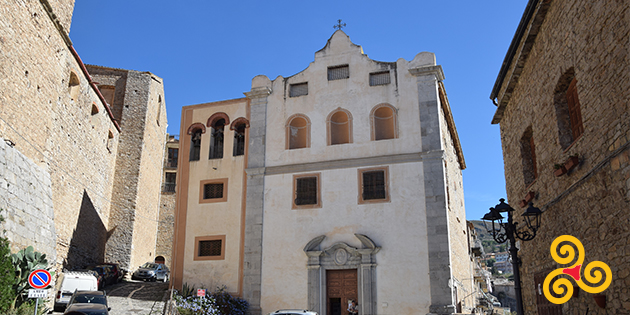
x=39, y=279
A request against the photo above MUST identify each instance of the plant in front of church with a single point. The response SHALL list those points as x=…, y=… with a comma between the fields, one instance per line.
x=220, y=302
x=227, y=304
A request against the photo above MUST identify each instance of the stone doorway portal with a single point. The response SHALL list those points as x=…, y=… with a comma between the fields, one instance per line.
x=341, y=286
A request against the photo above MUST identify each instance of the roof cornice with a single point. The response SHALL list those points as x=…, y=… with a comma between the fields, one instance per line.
x=517, y=54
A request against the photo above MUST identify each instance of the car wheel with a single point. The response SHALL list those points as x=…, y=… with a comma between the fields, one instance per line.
x=165, y=278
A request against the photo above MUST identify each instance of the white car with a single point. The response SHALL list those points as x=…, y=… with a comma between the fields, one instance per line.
x=293, y=312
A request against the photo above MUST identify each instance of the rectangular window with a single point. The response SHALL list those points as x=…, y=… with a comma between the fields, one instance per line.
x=210, y=247
x=213, y=190
x=298, y=89
x=338, y=72
x=373, y=186
x=380, y=78
x=306, y=191
x=169, y=182
x=172, y=157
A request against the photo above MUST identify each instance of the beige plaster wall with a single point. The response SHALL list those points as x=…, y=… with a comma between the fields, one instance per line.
x=219, y=218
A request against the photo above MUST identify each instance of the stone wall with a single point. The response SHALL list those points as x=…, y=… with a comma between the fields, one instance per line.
x=54, y=125
x=26, y=203
x=164, y=241
x=590, y=202
x=462, y=269
x=139, y=106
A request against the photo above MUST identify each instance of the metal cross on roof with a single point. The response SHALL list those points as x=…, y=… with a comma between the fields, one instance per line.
x=339, y=25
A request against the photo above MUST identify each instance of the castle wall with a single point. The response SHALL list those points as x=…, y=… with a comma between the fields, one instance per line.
x=142, y=114
x=26, y=203
x=56, y=130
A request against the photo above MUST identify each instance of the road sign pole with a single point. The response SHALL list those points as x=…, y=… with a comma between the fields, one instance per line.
x=36, y=305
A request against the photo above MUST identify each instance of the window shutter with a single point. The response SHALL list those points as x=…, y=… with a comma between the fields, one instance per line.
x=338, y=72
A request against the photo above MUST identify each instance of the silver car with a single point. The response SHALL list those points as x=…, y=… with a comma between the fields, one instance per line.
x=152, y=272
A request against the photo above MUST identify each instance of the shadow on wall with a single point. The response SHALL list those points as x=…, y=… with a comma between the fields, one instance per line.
x=87, y=245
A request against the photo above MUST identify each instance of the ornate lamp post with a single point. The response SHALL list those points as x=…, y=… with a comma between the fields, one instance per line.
x=504, y=231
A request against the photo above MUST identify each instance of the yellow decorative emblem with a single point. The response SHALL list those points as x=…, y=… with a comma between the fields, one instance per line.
x=593, y=272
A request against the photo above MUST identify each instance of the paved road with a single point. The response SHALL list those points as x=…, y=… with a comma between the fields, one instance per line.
x=136, y=298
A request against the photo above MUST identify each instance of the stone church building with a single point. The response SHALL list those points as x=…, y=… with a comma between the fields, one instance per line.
x=82, y=146
x=562, y=99
x=341, y=182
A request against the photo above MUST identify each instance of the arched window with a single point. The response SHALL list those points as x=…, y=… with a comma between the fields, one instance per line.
x=195, y=131
x=339, y=127
x=568, y=112
x=216, y=139
x=528, y=156
x=298, y=132
x=239, y=125
x=384, y=122
x=74, y=86
x=239, y=140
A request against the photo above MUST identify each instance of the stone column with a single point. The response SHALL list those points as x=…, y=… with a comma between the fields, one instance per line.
x=428, y=74
x=252, y=260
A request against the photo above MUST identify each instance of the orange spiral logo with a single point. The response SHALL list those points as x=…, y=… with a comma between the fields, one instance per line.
x=594, y=272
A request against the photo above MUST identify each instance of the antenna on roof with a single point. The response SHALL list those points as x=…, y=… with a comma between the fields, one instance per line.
x=339, y=25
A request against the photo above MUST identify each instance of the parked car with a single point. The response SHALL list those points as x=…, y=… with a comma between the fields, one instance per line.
x=119, y=274
x=106, y=272
x=98, y=297
x=71, y=281
x=87, y=309
x=152, y=272
x=293, y=312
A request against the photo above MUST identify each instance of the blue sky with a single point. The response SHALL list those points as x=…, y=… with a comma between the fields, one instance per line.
x=210, y=50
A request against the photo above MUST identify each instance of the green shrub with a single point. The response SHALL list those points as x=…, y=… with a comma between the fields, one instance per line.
x=25, y=261
x=7, y=275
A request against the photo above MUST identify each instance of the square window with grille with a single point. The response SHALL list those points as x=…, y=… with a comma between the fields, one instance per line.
x=338, y=72
x=210, y=248
x=306, y=191
x=380, y=78
x=298, y=89
x=213, y=191
x=374, y=185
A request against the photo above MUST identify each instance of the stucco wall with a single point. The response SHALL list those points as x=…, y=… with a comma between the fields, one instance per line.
x=591, y=201
x=217, y=218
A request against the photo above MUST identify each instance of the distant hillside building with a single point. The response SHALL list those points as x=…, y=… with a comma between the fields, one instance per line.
x=562, y=105
x=340, y=182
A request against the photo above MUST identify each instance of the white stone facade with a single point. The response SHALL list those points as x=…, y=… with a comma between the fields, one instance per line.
x=403, y=252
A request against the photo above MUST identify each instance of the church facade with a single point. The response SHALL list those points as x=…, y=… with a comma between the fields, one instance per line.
x=342, y=182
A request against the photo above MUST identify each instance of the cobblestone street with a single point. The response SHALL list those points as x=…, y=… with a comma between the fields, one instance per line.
x=136, y=298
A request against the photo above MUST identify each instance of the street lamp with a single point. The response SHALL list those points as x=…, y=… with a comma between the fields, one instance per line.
x=504, y=231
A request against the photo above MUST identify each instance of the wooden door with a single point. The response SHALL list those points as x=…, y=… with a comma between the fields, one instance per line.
x=544, y=306
x=341, y=286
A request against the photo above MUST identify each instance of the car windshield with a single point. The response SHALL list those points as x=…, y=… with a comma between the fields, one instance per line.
x=149, y=266
x=89, y=298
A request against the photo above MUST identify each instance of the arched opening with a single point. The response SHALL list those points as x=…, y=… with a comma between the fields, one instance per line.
x=74, y=86
x=298, y=130
x=568, y=111
x=239, y=139
x=216, y=139
x=384, y=122
x=339, y=126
